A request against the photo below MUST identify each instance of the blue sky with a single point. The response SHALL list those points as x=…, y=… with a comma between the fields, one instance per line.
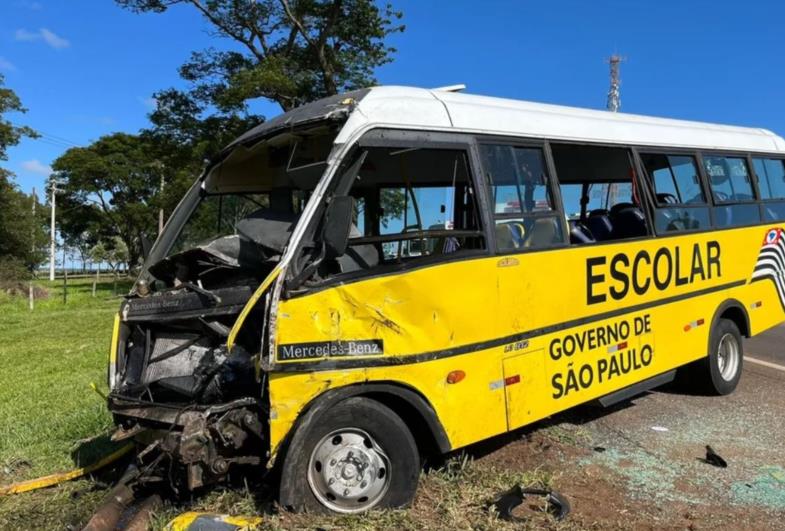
x=85, y=68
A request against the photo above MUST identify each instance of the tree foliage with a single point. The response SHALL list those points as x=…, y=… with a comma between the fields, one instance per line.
x=21, y=233
x=10, y=134
x=287, y=51
x=113, y=251
x=22, y=236
x=110, y=189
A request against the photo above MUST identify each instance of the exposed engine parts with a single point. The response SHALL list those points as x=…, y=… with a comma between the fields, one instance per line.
x=203, y=443
x=209, y=444
x=193, y=407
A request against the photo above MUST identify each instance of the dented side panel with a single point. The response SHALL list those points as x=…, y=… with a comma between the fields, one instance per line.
x=588, y=320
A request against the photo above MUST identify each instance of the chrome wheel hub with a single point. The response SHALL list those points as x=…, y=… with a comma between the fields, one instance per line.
x=348, y=472
x=728, y=357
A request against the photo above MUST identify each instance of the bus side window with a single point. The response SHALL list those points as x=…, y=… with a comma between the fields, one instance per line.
x=599, y=191
x=410, y=203
x=680, y=202
x=523, y=210
x=731, y=190
x=771, y=182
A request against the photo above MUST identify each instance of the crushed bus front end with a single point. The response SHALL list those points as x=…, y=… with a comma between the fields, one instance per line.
x=186, y=379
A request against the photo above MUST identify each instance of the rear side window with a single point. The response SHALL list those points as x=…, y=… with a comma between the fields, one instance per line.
x=729, y=179
x=520, y=193
x=771, y=176
x=681, y=203
x=731, y=190
x=771, y=183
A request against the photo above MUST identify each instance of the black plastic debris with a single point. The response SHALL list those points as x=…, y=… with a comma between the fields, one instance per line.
x=599, y=449
x=558, y=505
x=713, y=458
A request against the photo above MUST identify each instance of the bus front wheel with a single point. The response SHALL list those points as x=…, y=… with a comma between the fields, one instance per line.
x=355, y=456
x=725, y=359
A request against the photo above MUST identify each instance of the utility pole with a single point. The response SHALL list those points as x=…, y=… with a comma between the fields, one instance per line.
x=52, y=234
x=614, y=96
x=161, y=210
x=31, y=293
x=613, y=105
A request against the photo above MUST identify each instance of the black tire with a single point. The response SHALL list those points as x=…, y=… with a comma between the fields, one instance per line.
x=722, y=378
x=388, y=433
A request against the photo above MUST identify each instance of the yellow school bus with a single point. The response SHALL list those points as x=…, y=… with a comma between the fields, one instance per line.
x=396, y=272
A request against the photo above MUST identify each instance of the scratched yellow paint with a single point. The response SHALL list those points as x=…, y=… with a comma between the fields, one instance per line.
x=443, y=307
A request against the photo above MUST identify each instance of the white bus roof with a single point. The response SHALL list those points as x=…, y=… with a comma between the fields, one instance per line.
x=408, y=107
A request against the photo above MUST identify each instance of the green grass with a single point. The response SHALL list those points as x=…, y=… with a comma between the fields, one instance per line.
x=48, y=358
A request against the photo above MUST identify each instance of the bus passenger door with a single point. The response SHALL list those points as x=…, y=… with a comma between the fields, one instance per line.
x=527, y=226
x=524, y=377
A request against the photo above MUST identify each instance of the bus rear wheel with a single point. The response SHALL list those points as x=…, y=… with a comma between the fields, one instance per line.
x=726, y=356
x=355, y=456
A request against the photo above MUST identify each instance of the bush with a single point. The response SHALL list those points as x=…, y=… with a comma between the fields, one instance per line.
x=14, y=277
x=12, y=269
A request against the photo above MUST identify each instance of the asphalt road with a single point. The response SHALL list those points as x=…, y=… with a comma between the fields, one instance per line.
x=641, y=464
x=769, y=346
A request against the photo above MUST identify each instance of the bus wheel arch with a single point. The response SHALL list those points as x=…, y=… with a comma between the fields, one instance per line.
x=733, y=310
x=409, y=406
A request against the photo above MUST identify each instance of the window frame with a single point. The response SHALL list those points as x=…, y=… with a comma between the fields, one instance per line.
x=756, y=177
x=678, y=152
x=639, y=171
x=771, y=200
x=748, y=161
x=557, y=209
x=383, y=137
x=747, y=156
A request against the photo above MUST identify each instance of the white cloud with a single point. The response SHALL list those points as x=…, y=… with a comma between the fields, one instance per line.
x=5, y=64
x=36, y=166
x=24, y=35
x=54, y=40
x=48, y=36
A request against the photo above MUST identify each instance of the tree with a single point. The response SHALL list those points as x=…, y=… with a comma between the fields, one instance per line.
x=21, y=235
x=110, y=189
x=10, y=134
x=288, y=51
x=98, y=254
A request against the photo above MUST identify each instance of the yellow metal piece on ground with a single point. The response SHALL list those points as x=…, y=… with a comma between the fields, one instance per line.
x=207, y=521
x=54, y=479
x=94, y=387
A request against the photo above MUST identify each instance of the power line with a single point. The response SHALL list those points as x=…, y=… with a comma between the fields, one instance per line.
x=56, y=141
x=58, y=138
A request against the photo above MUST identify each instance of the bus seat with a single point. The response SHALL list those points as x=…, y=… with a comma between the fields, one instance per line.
x=628, y=221
x=504, y=237
x=667, y=199
x=579, y=234
x=358, y=257
x=599, y=223
x=518, y=232
x=542, y=233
